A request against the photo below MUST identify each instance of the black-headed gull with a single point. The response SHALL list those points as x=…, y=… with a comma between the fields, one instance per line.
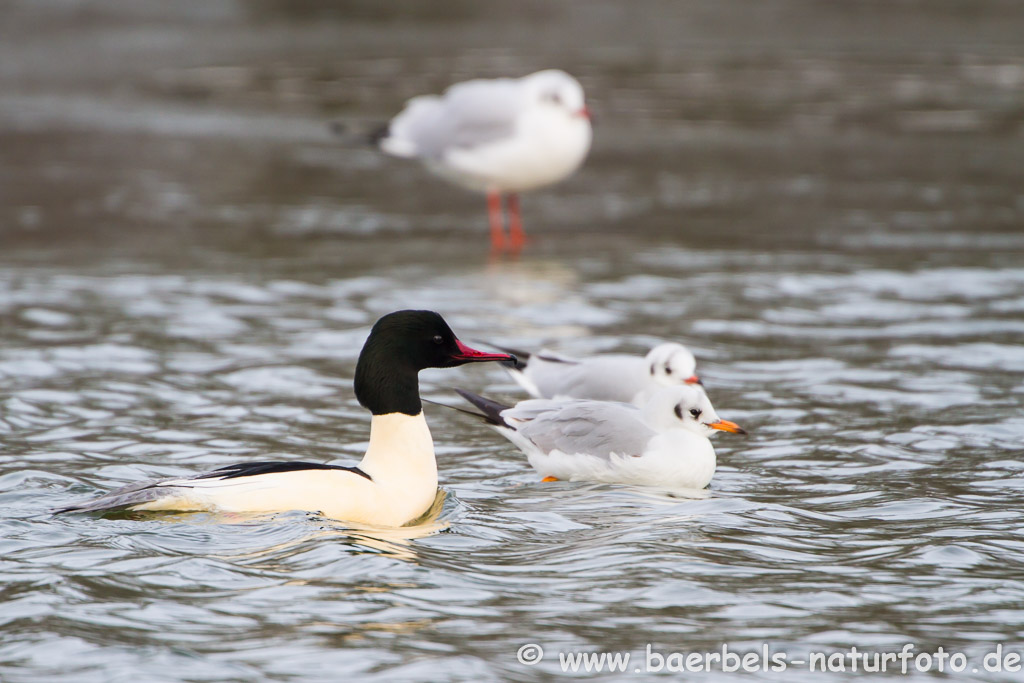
x=664, y=444
x=500, y=136
x=394, y=483
x=605, y=377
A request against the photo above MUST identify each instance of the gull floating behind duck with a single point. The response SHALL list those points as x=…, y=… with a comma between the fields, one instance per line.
x=663, y=444
x=605, y=377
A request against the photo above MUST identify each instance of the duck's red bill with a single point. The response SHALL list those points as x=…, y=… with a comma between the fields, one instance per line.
x=469, y=355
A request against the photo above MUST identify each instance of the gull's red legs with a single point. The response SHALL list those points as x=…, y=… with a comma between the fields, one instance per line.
x=517, y=237
x=497, y=221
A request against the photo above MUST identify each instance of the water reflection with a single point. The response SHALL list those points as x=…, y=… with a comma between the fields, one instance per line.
x=278, y=557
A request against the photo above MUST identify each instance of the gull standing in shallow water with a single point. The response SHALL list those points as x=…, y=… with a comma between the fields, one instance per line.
x=664, y=444
x=605, y=377
x=394, y=483
x=500, y=136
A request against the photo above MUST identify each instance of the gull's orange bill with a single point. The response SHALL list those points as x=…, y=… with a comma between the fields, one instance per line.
x=727, y=426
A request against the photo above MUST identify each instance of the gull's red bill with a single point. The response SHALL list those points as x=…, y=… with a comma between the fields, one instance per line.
x=469, y=355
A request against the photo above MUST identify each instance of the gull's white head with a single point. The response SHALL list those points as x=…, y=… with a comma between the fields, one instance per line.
x=686, y=407
x=672, y=364
x=557, y=89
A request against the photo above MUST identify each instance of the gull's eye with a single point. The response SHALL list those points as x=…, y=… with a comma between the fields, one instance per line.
x=695, y=412
x=668, y=370
x=553, y=98
x=438, y=339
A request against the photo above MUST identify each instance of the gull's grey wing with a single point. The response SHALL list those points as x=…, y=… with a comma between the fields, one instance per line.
x=468, y=115
x=598, y=428
x=601, y=378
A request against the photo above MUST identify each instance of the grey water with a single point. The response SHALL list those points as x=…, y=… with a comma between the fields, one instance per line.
x=825, y=201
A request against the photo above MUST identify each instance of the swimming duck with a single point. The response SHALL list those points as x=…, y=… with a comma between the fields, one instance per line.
x=605, y=377
x=664, y=444
x=394, y=483
x=500, y=136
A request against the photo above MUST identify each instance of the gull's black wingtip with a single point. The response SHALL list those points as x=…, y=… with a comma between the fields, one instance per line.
x=357, y=135
x=378, y=134
x=491, y=409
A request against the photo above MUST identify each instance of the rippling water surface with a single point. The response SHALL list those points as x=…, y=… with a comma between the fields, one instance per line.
x=189, y=264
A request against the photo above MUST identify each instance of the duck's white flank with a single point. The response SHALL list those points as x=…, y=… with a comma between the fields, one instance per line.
x=402, y=486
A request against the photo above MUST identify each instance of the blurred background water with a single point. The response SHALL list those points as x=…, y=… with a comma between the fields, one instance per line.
x=824, y=200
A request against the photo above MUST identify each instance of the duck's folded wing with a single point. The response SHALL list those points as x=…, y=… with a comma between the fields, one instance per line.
x=148, y=492
x=252, y=469
x=597, y=428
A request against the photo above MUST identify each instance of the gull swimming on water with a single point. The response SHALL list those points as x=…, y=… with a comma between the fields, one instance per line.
x=604, y=377
x=499, y=136
x=664, y=444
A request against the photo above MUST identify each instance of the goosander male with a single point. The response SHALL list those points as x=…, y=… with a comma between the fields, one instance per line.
x=498, y=136
x=394, y=483
x=605, y=377
x=664, y=444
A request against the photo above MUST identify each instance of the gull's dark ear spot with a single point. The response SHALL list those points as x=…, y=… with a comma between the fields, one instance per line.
x=679, y=411
x=652, y=369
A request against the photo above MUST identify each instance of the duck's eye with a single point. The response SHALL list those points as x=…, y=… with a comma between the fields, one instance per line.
x=438, y=339
x=695, y=412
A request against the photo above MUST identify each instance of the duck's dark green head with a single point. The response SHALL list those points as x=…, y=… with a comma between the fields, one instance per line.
x=399, y=346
